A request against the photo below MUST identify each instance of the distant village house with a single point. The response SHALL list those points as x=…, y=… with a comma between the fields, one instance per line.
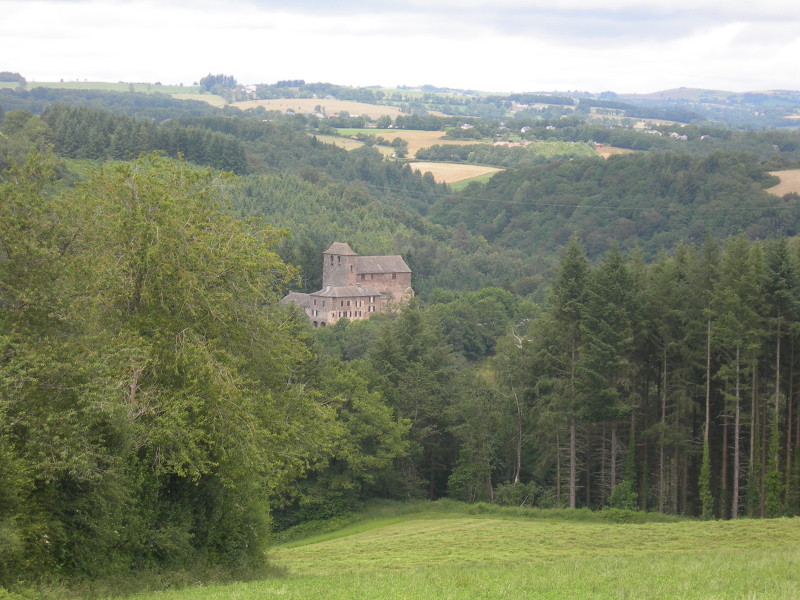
x=355, y=287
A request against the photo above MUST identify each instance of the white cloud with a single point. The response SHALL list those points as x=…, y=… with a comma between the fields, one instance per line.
x=503, y=45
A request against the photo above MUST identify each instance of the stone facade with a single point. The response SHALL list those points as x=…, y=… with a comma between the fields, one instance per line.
x=355, y=287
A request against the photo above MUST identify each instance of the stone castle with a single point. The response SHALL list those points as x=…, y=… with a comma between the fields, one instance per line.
x=355, y=287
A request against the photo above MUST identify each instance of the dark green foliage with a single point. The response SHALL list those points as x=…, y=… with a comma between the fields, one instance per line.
x=158, y=107
x=706, y=498
x=100, y=135
x=497, y=156
x=143, y=368
x=473, y=322
x=209, y=82
x=651, y=201
x=9, y=76
x=624, y=496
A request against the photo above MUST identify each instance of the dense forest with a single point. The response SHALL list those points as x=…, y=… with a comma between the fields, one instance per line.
x=586, y=333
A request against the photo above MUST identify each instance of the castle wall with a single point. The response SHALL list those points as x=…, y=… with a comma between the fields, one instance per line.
x=338, y=270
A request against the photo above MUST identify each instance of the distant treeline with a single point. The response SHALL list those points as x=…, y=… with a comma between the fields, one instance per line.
x=78, y=132
x=651, y=201
x=135, y=104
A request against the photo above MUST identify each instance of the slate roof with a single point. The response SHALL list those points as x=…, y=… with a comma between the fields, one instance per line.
x=347, y=291
x=381, y=264
x=340, y=248
x=299, y=298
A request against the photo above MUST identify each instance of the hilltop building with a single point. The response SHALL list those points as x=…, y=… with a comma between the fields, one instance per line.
x=355, y=287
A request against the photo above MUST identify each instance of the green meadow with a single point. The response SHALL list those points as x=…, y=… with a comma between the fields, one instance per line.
x=457, y=186
x=454, y=554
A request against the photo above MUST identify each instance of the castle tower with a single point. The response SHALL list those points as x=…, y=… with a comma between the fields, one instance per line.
x=338, y=267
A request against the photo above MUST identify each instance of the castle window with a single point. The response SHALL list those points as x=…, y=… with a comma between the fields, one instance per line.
x=315, y=301
x=372, y=299
x=342, y=302
x=339, y=259
x=331, y=258
x=394, y=275
x=348, y=303
x=351, y=268
x=363, y=277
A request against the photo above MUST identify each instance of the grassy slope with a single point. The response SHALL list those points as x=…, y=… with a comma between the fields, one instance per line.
x=499, y=555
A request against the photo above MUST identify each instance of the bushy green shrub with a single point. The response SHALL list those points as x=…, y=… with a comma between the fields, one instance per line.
x=623, y=496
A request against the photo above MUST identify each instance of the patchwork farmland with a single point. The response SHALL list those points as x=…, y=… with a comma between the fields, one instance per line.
x=308, y=105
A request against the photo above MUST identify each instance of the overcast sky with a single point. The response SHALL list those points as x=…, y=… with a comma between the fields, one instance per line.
x=491, y=45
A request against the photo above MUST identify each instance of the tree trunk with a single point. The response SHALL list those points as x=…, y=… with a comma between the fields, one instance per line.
x=661, y=465
x=724, y=467
x=613, y=454
x=573, y=453
x=573, y=463
x=588, y=469
x=518, y=440
x=789, y=416
x=736, y=449
x=776, y=457
x=762, y=483
x=558, y=467
x=708, y=384
x=675, y=480
x=754, y=424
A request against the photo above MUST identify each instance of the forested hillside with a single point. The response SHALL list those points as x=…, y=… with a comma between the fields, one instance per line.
x=652, y=201
x=587, y=333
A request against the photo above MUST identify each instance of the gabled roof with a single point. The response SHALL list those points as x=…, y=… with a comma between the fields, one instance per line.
x=341, y=248
x=381, y=264
x=347, y=291
x=298, y=298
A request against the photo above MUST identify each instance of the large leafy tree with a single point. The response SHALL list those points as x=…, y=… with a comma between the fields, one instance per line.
x=152, y=390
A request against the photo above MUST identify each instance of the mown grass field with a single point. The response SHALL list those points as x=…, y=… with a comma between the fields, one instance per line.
x=790, y=182
x=457, y=186
x=452, y=555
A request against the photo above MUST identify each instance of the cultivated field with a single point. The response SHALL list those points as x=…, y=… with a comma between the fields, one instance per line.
x=307, y=105
x=513, y=555
x=452, y=172
x=416, y=139
x=790, y=182
x=607, y=151
x=211, y=99
x=351, y=144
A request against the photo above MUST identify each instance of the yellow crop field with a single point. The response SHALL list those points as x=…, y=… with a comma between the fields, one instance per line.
x=307, y=105
x=452, y=172
x=790, y=182
x=423, y=139
x=607, y=151
x=351, y=144
x=211, y=99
